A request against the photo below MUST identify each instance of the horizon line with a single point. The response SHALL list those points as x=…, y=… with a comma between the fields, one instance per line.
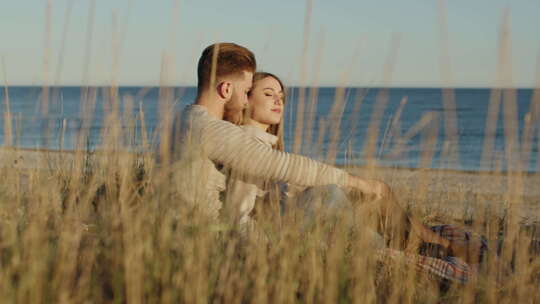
x=3, y=86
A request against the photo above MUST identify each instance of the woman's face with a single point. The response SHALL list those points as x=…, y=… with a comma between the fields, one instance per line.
x=266, y=101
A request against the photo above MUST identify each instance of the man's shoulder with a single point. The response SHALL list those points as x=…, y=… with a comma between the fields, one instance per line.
x=196, y=116
x=191, y=115
x=192, y=110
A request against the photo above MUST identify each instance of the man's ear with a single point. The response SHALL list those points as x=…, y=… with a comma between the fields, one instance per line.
x=225, y=89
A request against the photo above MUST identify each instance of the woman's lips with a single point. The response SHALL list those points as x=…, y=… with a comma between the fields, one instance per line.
x=277, y=111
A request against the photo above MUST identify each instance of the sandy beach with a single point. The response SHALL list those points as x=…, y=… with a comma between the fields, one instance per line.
x=463, y=194
x=458, y=194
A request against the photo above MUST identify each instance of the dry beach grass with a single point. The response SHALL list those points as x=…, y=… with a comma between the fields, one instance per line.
x=106, y=227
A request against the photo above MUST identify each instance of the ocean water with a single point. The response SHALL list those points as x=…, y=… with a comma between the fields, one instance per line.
x=333, y=125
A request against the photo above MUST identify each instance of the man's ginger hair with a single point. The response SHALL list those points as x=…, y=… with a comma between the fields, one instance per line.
x=223, y=59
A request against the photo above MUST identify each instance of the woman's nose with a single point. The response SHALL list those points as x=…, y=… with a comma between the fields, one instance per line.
x=278, y=100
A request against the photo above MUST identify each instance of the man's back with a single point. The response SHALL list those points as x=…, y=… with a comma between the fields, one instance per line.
x=197, y=179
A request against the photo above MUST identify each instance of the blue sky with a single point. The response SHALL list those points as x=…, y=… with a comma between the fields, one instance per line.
x=353, y=36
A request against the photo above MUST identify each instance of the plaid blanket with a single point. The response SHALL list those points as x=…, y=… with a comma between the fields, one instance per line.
x=459, y=235
x=450, y=268
x=435, y=261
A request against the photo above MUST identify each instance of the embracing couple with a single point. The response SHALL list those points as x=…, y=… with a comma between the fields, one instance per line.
x=228, y=148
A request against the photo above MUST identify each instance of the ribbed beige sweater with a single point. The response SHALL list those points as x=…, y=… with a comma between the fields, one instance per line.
x=202, y=141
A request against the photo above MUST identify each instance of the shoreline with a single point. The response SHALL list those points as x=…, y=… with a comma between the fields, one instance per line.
x=525, y=173
x=448, y=170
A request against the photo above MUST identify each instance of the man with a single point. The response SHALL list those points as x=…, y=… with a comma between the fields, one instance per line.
x=202, y=139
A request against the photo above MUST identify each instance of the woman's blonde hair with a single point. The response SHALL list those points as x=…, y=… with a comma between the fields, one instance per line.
x=277, y=129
